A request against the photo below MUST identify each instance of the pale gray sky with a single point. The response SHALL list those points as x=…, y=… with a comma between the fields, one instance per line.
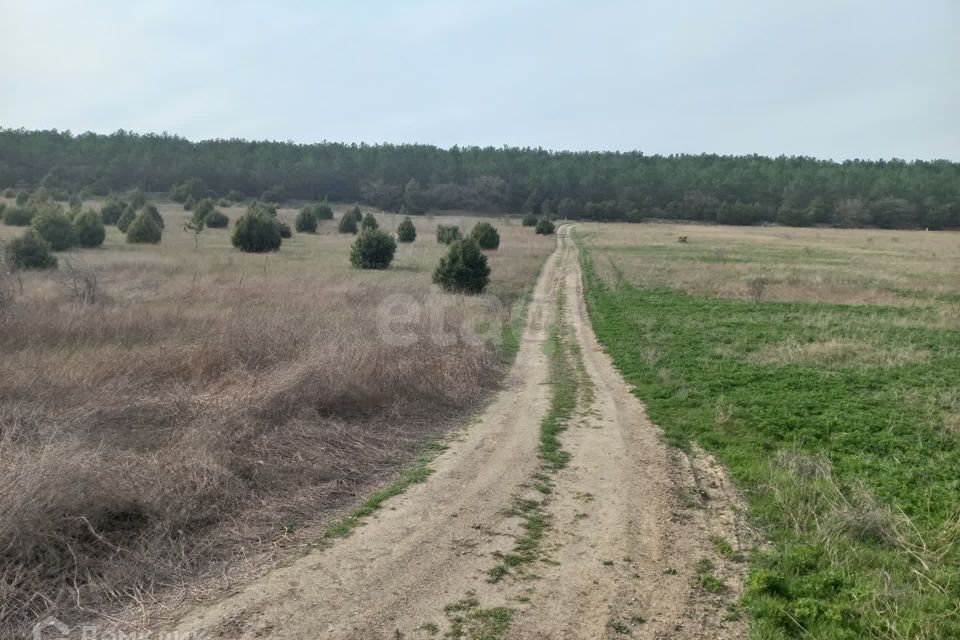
x=829, y=78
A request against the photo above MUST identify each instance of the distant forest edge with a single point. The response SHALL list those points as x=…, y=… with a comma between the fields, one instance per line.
x=609, y=186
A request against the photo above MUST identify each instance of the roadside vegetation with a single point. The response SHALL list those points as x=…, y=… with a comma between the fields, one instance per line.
x=839, y=421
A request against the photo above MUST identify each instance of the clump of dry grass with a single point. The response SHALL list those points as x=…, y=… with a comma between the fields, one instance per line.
x=163, y=409
x=838, y=353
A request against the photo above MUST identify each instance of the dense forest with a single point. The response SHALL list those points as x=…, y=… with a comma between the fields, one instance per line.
x=419, y=178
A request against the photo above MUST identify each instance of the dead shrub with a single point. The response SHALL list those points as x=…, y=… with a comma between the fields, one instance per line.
x=757, y=287
x=81, y=284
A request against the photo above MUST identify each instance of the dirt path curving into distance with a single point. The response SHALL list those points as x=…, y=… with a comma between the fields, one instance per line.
x=628, y=524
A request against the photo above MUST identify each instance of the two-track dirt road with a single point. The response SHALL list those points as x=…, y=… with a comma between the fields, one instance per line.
x=628, y=521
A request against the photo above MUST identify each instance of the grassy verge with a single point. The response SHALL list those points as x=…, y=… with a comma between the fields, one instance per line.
x=416, y=474
x=835, y=420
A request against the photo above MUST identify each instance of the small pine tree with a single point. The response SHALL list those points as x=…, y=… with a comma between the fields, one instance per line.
x=323, y=211
x=464, y=269
x=202, y=209
x=216, y=219
x=144, y=230
x=112, y=210
x=189, y=204
x=369, y=222
x=18, y=216
x=30, y=251
x=529, y=220
x=129, y=215
x=307, y=220
x=347, y=224
x=373, y=249
x=544, y=227
x=151, y=210
x=356, y=214
x=138, y=198
x=56, y=228
x=448, y=234
x=90, y=231
x=284, y=229
x=22, y=198
x=256, y=232
x=486, y=235
x=406, y=232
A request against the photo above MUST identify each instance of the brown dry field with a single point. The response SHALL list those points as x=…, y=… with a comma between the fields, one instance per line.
x=849, y=266
x=169, y=413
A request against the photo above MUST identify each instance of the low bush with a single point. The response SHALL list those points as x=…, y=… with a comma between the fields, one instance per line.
x=138, y=198
x=9, y=193
x=529, y=220
x=202, y=209
x=266, y=208
x=323, y=211
x=486, y=235
x=216, y=219
x=144, y=230
x=151, y=210
x=369, y=222
x=112, y=210
x=256, y=232
x=347, y=224
x=128, y=216
x=18, y=216
x=373, y=249
x=406, y=232
x=30, y=251
x=307, y=220
x=189, y=204
x=544, y=227
x=56, y=228
x=464, y=269
x=284, y=228
x=89, y=228
x=448, y=234
x=22, y=198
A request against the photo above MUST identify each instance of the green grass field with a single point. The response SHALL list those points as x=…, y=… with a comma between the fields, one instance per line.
x=838, y=421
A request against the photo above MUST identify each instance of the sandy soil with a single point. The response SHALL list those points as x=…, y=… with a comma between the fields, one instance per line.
x=629, y=520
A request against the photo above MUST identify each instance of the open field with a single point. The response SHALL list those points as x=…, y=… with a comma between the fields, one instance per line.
x=167, y=412
x=821, y=366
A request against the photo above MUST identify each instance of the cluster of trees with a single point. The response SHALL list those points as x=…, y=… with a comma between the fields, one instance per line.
x=416, y=178
x=49, y=227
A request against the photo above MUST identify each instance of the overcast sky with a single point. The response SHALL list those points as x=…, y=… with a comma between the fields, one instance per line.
x=829, y=78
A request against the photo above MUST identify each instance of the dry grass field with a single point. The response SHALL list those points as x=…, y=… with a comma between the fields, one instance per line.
x=847, y=266
x=165, y=410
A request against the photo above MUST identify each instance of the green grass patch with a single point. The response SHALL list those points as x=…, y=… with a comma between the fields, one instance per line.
x=848, y=468
x=416, y=474
x=468, y=621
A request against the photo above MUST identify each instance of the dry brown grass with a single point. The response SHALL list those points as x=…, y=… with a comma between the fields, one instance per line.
x=163, y=409
x=849, y=266
x=839, y=353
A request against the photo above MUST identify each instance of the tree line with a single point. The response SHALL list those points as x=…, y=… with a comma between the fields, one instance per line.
x=611, y=186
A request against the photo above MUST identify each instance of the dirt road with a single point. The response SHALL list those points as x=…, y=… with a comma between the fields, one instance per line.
x=621, y=533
